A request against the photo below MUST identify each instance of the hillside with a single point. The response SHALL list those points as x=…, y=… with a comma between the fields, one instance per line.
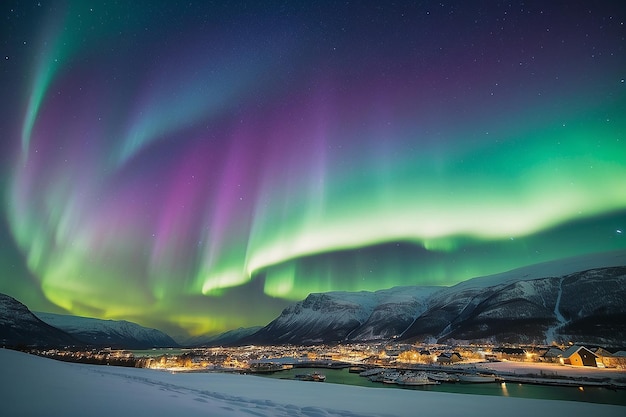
x=577, y=299
x=20, y=327
x=108, y=333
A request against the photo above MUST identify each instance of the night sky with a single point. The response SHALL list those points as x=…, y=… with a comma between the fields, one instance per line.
x=197, y=166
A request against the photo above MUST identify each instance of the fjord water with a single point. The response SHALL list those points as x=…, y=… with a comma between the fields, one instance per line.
x=587, y=394
x=598, y=395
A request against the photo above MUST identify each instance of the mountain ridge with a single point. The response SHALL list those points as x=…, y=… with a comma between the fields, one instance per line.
x=580, y=299
x=532, y=304
x=108, y=333
x=222, y=339
x=20, y=327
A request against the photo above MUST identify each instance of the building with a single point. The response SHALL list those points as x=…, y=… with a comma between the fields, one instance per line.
x=579, y=356
x=509, y=353
x=448, y=358
x=553, y=355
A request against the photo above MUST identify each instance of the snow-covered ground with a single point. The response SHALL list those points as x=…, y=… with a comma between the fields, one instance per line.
x=33, y=386
x=569, y=371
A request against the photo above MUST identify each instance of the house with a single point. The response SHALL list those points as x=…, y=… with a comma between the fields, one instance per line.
x=610, y=360
x=579, y=356
x=490, y=357
x=509, y=353
x=448, y=358
x=553, y=354
x=601, y=352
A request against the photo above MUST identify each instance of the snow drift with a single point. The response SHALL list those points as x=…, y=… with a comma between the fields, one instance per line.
x=34, y=386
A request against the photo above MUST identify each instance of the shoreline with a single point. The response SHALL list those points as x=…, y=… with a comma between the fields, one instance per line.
x=516, y=372
x=533, y=373
x=574, y=392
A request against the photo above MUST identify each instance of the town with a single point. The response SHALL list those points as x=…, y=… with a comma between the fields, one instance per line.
x=549, y=365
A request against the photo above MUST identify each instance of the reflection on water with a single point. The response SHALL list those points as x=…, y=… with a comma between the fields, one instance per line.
x=505, y=392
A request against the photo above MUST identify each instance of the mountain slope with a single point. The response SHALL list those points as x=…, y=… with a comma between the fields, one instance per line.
x=227, y=338
x=396, y=309
x=109, y=333
x=19, y=326
x=318, y=318
x=575, y=299
x=555, y=268
x=338, y=316
x=587, y=306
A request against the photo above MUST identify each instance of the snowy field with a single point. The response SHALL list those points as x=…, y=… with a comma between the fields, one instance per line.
x=33, y=386
x=552, y=369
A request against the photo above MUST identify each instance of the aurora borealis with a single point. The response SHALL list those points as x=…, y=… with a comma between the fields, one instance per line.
x=196, y=167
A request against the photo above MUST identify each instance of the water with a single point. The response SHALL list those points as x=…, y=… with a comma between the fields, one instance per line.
x=342, y=376
x=588, y=394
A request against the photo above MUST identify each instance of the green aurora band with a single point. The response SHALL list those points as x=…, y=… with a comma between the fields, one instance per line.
x=200, y=180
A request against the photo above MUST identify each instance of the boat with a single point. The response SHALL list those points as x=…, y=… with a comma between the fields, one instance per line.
x=317, y=377
x=266, y=368
x=390, y=377
x=371, y=372
x=376, y=378
x=442, y=377
x=356, y=369
x=417, y=379
x=476, y=378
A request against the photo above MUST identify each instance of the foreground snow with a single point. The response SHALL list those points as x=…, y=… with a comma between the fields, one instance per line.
x=33, y=386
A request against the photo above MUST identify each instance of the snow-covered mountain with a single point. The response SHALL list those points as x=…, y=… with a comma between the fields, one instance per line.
x=587, y=306
x=395, y=310
x=227, y=338
x=556, y=268
x=110, y=333
x=338, y=316
x=579, y=299
x=576, y=299
x=19, y=326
